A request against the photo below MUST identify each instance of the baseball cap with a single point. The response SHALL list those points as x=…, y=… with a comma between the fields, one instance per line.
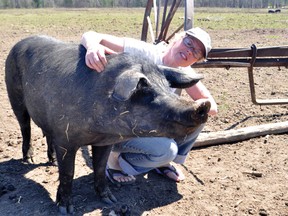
x=202, y=36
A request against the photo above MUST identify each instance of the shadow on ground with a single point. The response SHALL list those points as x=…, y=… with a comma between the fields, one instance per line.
x=17, y=192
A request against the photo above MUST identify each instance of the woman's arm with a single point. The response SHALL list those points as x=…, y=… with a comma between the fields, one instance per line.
x=97, y=46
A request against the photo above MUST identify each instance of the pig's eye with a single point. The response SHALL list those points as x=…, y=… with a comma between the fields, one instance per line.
x=143, y=96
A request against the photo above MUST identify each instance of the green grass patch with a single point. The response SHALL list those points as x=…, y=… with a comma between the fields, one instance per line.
x=128, y=21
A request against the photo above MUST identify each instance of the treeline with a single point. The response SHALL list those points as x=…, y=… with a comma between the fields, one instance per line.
x=138, y=3
x=71, y=3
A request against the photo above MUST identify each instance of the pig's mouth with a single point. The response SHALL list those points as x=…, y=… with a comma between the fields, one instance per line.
x=192, y=119
x=175, y=125
x=186, y=122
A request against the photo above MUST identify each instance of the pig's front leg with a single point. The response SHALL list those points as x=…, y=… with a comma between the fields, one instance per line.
x=66, y=165
x=100, y=156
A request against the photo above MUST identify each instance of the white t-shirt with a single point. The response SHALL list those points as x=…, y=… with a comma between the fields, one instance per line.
x=141, y=48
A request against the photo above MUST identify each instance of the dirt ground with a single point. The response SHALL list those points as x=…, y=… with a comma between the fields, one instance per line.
x=216, y=181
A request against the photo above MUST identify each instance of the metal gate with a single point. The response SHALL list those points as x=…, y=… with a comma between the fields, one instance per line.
x=217, y=58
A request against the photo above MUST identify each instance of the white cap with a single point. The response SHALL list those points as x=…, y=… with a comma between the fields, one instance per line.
x=202, y=36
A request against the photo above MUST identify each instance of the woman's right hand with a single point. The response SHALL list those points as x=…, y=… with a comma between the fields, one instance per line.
x=95, y=57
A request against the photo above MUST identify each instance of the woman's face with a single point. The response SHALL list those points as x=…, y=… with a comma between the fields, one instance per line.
x=186, y=51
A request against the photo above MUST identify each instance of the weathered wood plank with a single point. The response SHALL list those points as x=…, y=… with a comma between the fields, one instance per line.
x=232, y=136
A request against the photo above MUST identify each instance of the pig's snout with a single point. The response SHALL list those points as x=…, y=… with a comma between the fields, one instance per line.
x=194, y=116
x=199, y=115
x=202, y=111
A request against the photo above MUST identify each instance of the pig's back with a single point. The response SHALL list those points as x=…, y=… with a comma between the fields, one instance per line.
x=54, y=79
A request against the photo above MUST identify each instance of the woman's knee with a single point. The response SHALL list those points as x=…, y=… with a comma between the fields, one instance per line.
x=163, y=151
x=166, y=152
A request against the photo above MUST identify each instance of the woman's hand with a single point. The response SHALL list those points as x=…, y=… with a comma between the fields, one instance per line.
x=97, y=46
x=95, y=57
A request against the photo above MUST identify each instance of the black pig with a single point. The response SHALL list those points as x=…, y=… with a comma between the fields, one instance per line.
x=47, y=80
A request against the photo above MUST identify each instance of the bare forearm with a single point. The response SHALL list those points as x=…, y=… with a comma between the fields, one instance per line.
x=98, y=46
x=199, y=92
x=92, y=39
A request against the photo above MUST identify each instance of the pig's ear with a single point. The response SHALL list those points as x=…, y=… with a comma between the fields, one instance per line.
x=178, y=78
x=128, y=82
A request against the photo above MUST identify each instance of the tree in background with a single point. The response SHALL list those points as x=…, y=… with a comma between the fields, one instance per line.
x=38, y=3
x=139, y=3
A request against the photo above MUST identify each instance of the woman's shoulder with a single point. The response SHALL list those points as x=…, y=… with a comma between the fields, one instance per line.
x=142, y=48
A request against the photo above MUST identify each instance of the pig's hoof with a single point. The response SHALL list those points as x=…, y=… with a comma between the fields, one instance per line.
x=108, y=197
x=64, y=211
x=109, y=200
x=105, y=194
x=52, y=159
x=53, y=162
x=28, y=160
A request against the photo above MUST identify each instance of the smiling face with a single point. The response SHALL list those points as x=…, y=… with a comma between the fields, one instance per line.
x=184, y=51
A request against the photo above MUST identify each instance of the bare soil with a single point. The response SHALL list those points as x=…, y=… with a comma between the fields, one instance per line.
x=216, y=182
